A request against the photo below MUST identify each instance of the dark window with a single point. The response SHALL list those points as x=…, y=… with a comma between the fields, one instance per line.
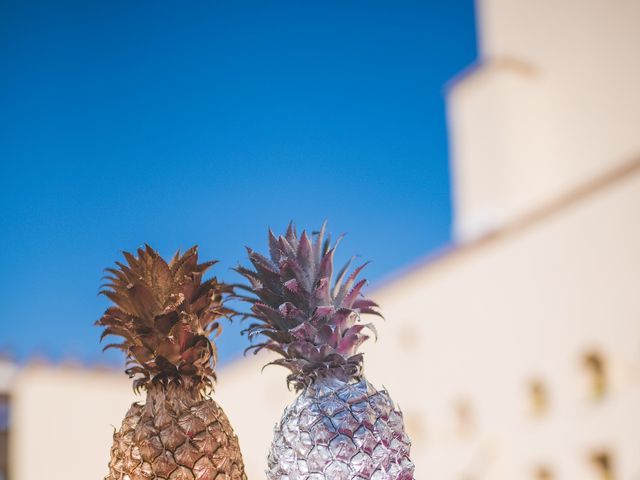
x=597, y=374
x=543, y=473
x=603, y=465
x=4, y=437
x=538, y=397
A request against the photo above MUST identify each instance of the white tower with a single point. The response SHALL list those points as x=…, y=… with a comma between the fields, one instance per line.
x=554, y=103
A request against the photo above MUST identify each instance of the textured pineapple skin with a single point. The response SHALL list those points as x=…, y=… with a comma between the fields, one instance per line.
x=341, y=431
x=176, y=435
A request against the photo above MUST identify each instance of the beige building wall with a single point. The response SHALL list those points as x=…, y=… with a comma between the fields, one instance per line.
x=7, y=374
x=62, y=420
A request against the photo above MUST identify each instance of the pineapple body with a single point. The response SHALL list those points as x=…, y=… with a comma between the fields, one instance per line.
x=341, y=431
x=175, y=435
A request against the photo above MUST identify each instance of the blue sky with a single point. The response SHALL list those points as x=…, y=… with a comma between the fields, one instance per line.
x=177, y=123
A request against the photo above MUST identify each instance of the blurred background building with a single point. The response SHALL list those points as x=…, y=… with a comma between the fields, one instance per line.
x=516, y=353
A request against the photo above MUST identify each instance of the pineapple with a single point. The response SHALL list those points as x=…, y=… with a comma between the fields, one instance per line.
x=166, y=314
x=340, y=427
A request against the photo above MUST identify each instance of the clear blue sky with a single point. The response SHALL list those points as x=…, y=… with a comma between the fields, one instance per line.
x=177, y=123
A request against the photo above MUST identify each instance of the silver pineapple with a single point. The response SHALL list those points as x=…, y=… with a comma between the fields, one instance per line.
x=339, y=427
x=341, y=431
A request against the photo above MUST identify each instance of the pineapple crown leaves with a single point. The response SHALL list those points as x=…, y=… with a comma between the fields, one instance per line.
x=166, y=316
x=312, y=321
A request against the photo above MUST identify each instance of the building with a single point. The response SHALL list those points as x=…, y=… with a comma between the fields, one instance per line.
x=516, y=353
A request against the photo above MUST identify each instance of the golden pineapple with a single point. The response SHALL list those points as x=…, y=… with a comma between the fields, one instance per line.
x=166, y=315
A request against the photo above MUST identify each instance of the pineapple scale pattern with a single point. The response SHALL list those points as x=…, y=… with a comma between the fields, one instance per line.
x=341, y=431
x=175, y=438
